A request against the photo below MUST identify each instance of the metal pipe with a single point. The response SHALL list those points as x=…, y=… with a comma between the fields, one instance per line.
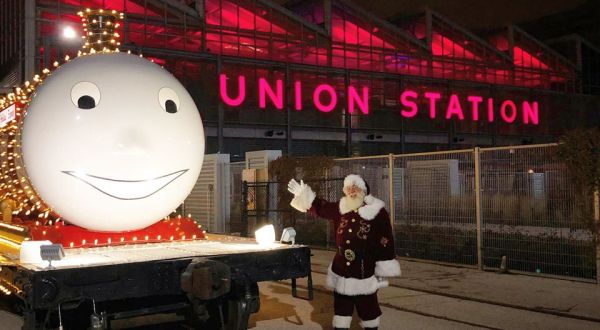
x=477, y=175
x=391, y=189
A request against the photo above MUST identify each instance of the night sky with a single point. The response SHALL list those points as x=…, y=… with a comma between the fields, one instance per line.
x=475, y=14
x=544, y=19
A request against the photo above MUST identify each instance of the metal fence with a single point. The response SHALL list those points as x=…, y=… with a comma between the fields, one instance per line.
x=235, y=202
x=269, y=203
x=374, y=170
x=532, y=214
x=468, y=207
x=434, y=204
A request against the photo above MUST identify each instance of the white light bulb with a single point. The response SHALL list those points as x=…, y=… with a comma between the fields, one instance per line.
x=265, y=235
x=69, y=32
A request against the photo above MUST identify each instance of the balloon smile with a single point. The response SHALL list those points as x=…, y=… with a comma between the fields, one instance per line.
x=126, y=189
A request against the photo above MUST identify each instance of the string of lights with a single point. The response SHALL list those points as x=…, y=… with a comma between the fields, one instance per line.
x=16, y=192
x=100, y=36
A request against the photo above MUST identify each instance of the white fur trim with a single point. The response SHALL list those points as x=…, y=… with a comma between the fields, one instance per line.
x=368, y=211
x=341, y=321
x=351, y=286
x=303, y=201
x=374, y=323
x=357, y=180
x=387, y=268
x=371, y=209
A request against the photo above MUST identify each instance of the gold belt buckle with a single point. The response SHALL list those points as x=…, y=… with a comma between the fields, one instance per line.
x=349, y=255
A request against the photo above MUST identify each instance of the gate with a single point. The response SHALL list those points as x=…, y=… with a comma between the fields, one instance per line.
x=470, y=207
x=269, y=203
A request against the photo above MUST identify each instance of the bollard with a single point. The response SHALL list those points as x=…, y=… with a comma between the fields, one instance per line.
x=503, y=266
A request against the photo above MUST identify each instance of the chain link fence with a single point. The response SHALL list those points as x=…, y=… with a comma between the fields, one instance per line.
x=269, y=203
x=435, y=207
x=374, y=170
x=470, y=207
x=235, y=202
x=533, y=215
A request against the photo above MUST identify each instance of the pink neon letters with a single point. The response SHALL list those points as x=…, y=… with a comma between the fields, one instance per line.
x=363, y=104
x=264, y=89
x=454, y=108
x=241, y=91
x=409, y=103
x=325, y=99
x=475, y=100
x=317, y=98
x=504, y=112
x=433, y=97
x=530, y=113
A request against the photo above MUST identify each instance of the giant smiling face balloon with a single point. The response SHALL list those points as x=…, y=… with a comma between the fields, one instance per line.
x=112, y=142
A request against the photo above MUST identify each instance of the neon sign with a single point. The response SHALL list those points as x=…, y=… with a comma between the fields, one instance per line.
x=325, y=99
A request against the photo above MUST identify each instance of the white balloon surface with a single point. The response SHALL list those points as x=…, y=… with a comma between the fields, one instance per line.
x=112, y=142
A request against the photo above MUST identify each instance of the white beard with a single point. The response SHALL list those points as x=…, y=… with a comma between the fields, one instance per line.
x=355, y=202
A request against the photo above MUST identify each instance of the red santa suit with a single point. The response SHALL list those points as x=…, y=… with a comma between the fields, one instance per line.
x=365, y=252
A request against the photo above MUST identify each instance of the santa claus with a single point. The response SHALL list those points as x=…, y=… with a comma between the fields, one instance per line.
x=365, y=248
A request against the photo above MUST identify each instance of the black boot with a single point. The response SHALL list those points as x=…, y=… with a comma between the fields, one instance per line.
x=371, y=328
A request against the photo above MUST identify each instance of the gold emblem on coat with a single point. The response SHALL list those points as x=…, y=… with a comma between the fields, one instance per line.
x=349, y=255
x=343, y=225
x=384, y=241
x=364, y=229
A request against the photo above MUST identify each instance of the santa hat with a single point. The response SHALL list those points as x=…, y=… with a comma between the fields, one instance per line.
x=353, y=179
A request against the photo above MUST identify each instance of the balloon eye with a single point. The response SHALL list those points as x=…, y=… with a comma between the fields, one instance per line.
x=85, y=95
x=168, y=100
x=170, y=106
x=86, y=102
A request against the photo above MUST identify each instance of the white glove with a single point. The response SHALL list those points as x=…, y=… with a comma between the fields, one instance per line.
x=296, y=188
x=303, y=195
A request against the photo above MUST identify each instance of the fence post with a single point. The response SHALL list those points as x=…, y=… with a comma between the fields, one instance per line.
x=244, y=208
x=391, y=185
x=327, y=223
x=597, y=223
x=476, y=153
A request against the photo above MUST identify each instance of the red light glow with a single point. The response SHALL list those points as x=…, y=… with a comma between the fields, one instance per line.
x=444, y=46
x=71, y=236
x=524, y=59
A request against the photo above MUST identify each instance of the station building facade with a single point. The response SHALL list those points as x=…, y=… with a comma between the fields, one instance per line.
x=325, y=77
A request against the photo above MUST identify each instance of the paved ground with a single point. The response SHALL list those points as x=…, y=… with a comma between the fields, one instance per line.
x=427, y=296
x=279, y=310
x=502, y=301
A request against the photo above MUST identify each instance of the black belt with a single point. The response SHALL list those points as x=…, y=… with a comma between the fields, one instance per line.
x=352, y=254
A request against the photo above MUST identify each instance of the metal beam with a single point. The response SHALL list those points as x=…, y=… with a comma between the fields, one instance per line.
x=29, y=41
x=467, y=33
x=221, y=116
x=293, y=16
x=401, y=34
x=543, y=46
x=477, y=175
x=347, y=117
x=288, y=111
x=178, y=6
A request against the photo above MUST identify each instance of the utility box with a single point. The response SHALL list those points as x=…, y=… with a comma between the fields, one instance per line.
x=208, y=203
x=261, y=158
x=433, y=178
